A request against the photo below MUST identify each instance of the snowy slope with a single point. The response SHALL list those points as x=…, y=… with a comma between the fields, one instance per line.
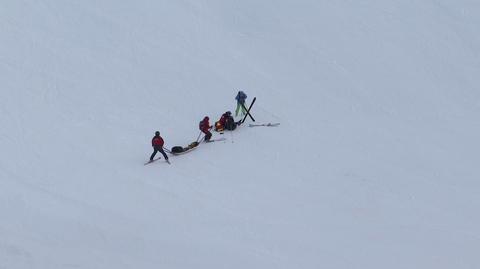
x=374, y=164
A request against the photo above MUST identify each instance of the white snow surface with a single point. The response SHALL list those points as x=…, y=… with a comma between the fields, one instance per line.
x=374, y=165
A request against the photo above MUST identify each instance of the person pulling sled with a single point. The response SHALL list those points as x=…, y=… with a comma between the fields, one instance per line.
x=157, y=144
x=205, y=127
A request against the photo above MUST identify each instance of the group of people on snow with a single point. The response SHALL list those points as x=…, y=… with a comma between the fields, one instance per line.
x=226, y=122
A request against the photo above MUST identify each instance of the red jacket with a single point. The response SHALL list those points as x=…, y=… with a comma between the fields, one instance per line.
x=223, y=120
x=157, y=141
x=204, y=125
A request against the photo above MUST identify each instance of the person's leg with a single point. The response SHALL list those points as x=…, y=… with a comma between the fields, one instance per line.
x=244, y=110
x=238, y=109
x=208, y=135
x=164, y=154
x=153, y=154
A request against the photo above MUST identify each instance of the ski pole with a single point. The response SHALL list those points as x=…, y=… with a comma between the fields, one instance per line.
x=198, y=137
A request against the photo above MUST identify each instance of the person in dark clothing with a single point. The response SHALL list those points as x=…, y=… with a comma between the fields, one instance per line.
x=241, y=98
x=230, y=123
x=205, y=128
x=227, y=121
x=157, y=144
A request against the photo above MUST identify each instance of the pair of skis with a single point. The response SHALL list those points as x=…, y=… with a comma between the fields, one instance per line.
x=216, y=140
x=251, y=117
x=248, y=111
x=265, y=125
x=156, y=159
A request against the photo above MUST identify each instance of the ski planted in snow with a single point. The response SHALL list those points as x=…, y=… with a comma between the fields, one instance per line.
x=248, y=111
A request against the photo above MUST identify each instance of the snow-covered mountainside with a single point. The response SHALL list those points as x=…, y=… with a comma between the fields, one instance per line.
x=374, y=165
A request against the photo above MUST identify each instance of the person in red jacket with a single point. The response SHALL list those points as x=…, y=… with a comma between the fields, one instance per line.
x=205, y=128
x=221, y=124
x=157, y=144
x=224, y=117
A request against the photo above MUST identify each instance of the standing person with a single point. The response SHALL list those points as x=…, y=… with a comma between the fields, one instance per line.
x=205, y=128
x=157, y=144
x=241, y=97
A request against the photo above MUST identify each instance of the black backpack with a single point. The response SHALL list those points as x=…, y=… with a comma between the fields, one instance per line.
x=177, y=149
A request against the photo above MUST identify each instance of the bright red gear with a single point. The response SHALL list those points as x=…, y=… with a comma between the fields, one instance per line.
x=157, y=141
x=223, y=120
x=205, y=125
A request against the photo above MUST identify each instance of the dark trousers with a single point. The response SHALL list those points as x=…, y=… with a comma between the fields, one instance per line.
x=208, y=135
x=158, y=149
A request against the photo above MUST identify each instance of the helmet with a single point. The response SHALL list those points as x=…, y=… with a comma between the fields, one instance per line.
x=206, y=118
x=228, y=113
x=157, y=133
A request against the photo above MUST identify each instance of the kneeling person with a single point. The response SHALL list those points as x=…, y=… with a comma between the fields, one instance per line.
x=227, y=122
